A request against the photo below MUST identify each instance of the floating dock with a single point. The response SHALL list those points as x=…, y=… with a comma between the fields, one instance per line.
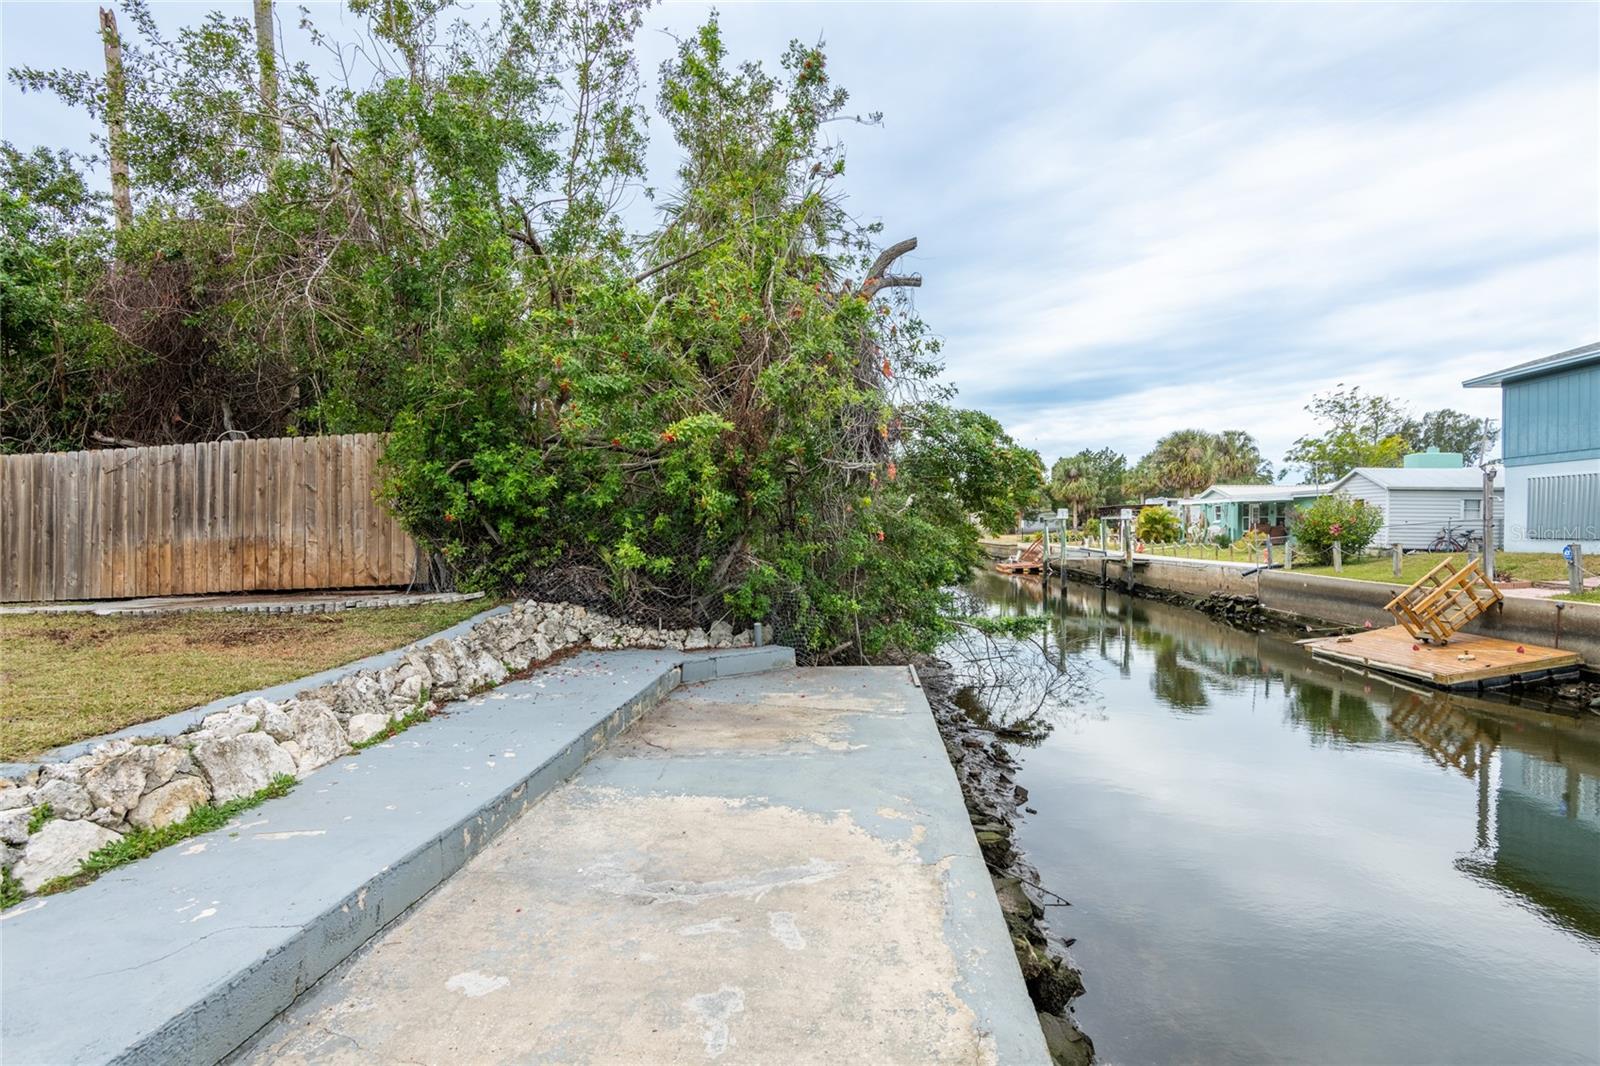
x=1470, y=661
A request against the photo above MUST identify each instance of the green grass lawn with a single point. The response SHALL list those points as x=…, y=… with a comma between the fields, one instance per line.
x=1521, y=566
x=65, y=677
x=1586, y=596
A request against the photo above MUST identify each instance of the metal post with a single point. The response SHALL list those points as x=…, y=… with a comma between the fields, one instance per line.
x=1398, y=555
x=1574, y=554
x=1487, y=513
x=1338, y=557
x=760, y=637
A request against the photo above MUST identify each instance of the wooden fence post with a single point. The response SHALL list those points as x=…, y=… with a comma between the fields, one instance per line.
x=1338, y=557
x=1574, y=554
x=1396, y=554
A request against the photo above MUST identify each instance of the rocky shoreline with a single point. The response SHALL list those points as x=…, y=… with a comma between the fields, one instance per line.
x=987, y=771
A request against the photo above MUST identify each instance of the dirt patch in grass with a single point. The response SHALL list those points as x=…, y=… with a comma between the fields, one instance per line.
x=67, y=677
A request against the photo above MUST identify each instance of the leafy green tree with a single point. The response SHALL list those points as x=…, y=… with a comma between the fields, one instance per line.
x=1088, y=479
x=54, y=347
x=736, y=415
x=1363, y=429
x=1450, y=431
x=1185, y=462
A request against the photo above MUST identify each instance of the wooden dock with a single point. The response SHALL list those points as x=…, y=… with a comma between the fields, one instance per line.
x=1469, y=661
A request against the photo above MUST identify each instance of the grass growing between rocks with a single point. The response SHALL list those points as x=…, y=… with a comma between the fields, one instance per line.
x=68, y=677
x=138, y=843
x=398, y=725
x=10, y=890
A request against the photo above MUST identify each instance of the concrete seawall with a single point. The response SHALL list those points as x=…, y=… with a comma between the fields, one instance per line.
x=1551, y=623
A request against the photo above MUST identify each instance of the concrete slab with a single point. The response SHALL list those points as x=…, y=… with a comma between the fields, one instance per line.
x=182, y=956
x=776, y=869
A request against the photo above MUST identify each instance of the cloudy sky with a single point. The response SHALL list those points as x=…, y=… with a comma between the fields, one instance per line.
x=1139, y=218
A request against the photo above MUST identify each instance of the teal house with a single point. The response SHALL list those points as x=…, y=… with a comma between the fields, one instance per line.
x=1550, y=445
x=1234, y=510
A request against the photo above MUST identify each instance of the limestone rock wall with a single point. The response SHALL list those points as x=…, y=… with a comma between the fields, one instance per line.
x=60, y=812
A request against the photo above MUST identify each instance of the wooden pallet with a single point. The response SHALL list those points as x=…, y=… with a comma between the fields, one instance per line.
x=1471, y=660
x=1443, y=600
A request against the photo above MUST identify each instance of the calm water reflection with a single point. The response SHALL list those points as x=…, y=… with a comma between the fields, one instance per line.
x=1273, y=860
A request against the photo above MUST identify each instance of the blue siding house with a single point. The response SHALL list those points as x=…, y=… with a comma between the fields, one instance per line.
x=1550, y=441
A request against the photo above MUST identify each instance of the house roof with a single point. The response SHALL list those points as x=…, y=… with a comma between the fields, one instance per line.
x=1257, y=493
x=1416, y=477
x=1549, y=364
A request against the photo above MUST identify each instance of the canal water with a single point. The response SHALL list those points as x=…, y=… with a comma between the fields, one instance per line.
x=1272, y=860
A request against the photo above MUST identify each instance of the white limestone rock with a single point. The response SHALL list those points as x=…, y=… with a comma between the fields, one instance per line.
x=277, y=724
x=58, y=848
x=14, y=796
x=166, y=761
x=66, y=798
x=363, y=727
x=490, y=670
x=721, y=634
x=696, y=640
x=14, y=825
x=407, y=694
x=317, y=734
x=230, y=723
x=117, y=783
x=172, y=802
x=109, y=818
x=240, y=765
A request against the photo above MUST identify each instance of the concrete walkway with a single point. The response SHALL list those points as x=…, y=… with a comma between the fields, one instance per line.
x=182, y=956
x=776, y=868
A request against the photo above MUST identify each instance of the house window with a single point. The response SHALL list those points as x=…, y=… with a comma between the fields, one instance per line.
x=1472, y=508
x=1216, y=512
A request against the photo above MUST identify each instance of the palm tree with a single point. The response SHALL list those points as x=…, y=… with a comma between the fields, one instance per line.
x=1236, y=459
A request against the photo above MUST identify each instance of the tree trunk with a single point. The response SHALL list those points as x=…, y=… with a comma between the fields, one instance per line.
x=116, y=112
x=267, y=63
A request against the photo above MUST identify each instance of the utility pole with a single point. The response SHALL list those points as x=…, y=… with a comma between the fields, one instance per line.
x=1487, y=510
x=116, y=118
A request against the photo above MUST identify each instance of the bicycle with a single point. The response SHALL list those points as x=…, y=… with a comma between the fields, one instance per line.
x=1450, y=540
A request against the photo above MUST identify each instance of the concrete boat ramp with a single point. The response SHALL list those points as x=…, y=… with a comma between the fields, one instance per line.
x=769, y=865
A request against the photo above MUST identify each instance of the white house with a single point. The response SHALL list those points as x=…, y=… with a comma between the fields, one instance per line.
x=1550, y=414
x=1420, y=502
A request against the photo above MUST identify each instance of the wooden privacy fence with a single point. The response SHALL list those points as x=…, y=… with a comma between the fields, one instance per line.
x=230, y=516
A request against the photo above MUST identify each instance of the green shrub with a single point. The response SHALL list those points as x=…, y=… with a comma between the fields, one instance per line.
x=1157, y=525
x=1091, y=529
x=1332, y=518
